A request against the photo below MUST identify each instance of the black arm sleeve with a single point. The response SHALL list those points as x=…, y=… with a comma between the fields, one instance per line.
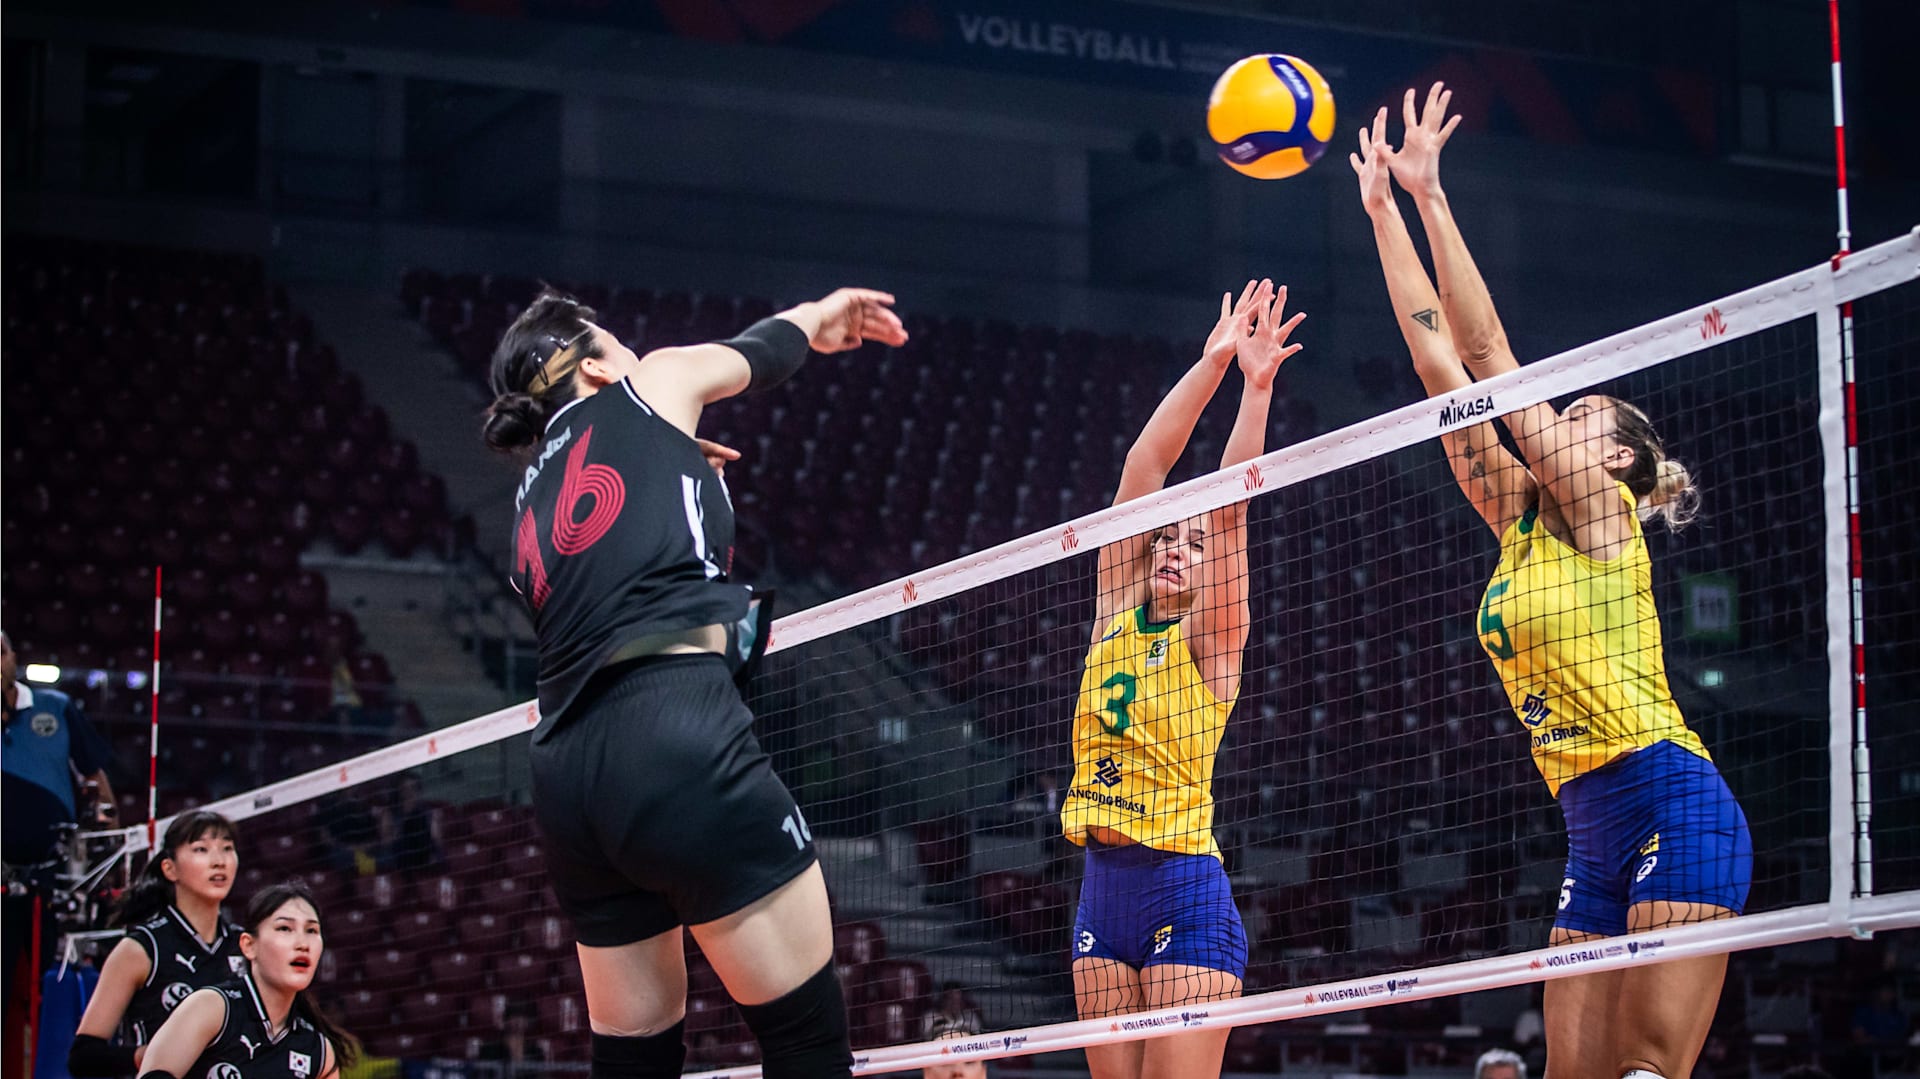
x=774, y=349
x=91, y=1056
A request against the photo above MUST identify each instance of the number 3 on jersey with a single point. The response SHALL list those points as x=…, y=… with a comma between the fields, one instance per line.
x=597, y=485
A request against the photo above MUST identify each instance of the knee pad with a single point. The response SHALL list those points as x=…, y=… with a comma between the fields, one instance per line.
x=803, y=1035
x=650, y=1056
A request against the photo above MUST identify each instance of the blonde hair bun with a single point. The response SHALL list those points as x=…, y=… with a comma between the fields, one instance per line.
x=1674, y=497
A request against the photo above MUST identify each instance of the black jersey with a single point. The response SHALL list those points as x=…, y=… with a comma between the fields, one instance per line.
x=244, y=1050
x=178, y=962
x=621, y=529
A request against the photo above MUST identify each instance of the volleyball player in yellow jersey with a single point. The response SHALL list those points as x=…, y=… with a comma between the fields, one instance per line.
x=1156, y=926
x=1654, y=837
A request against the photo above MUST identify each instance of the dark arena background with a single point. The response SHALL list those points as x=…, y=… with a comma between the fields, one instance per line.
x=257, y=257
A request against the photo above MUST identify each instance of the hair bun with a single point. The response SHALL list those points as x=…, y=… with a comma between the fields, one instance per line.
x=1674, y=496
x=514, y=422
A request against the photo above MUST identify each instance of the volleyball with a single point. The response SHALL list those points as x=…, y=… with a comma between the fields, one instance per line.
x=1270, y=116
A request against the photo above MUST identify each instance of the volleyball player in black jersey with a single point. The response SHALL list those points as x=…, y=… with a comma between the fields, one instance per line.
x=261, y=1024
x=178, y=940
x=657, y=806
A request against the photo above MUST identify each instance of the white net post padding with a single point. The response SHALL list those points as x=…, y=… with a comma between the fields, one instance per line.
x=1849, y=907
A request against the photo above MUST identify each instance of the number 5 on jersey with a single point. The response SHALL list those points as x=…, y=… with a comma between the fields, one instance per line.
x=600, y=487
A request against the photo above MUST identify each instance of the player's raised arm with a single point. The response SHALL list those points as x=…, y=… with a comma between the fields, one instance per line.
x=1559, y=453
x=679, y=382
x=1221, y=619
x=1122, y=580
x=1497, y=485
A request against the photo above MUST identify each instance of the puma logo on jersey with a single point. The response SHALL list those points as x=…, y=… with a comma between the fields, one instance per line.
x=248, y=1042
x=184, y=961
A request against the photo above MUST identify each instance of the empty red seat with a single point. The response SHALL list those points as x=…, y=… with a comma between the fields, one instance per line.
x=522, y=973
x=855, y=943
x=504, y=896
x=390, y=968
x=430, y=1011
x=902, y=980
x=363, y=1009
x=420, y=930
x=563, y=1015
x=353, y=928
x=486, y=932
x=454, y=969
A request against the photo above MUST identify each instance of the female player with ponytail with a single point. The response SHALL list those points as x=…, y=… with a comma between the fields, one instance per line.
x=178, y=940
x=1654, y=837
x=261, y=1024
x=1156, y=925
x=657, y=805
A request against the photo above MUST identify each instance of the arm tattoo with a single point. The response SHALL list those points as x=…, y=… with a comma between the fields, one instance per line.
x=1429, y=318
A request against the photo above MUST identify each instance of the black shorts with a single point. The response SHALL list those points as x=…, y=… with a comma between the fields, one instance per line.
x=658, y=807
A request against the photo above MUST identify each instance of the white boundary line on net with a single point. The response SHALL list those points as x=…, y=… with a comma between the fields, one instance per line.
x=1613, y=953
x=1794, y=296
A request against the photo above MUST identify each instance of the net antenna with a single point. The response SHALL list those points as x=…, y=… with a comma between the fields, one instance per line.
x=1861, y=780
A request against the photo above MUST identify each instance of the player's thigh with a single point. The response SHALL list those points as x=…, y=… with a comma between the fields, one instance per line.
x=1170, y=985
x=1581, y=1016
x=1191, y=1054
x=1664, y=1014
x=638, y=988
x=768, y=948
x=1102, y=988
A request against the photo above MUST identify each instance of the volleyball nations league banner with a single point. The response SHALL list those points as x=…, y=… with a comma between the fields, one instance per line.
x=1182, y=52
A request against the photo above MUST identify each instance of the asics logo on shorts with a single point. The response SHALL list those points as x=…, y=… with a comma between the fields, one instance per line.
x=1646, y=868
x=1084, y=944
x=1162, y=937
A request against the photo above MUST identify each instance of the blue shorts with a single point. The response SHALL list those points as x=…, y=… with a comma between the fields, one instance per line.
x=1656, y=824
x=1145, y=907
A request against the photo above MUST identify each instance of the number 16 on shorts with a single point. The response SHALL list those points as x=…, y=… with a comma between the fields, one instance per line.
x=796, y=827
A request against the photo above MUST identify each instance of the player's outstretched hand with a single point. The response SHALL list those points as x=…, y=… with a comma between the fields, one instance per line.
x=1416, y=165
x=1266, y=348
x=1373, y=164
x=717, y=455
x=1236, y=320
x=850, y=317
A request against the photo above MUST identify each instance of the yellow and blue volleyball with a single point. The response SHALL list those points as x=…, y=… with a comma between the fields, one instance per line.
x=1270, y=116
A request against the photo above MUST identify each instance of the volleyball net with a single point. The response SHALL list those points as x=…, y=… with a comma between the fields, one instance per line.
x=1390, y=843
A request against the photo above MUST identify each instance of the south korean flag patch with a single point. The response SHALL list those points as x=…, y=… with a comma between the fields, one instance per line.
x=301, y=1064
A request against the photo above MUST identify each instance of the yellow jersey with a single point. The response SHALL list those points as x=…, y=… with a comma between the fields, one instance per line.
x=1146, y=730
x=1577, y=643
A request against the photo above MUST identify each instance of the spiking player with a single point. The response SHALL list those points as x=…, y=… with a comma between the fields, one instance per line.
x=260, y=1025
x=1156, y=925
x=657, y=806
x=178, y=940
x=1654, y=836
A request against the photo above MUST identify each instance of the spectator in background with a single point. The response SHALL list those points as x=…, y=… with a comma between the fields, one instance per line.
x=1879, y=1020
x=49, y=750
x=1530, y=1032
x=409, y=829
x=955, y=1011
x=940, y=1027
x=1499, y=1064
x=516, y=1048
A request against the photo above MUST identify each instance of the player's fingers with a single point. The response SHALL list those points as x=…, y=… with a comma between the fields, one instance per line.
x=1365, y=147
x=1380, y=127
x=866, y=295
x=1447, y=131
x=1406, y=110
x=1290, y=350
x=1226, y=305
x=1354, y=160
x=1286, y=328
x=1431, y=117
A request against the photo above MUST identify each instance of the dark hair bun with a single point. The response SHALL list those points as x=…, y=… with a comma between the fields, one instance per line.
x=514, y=422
